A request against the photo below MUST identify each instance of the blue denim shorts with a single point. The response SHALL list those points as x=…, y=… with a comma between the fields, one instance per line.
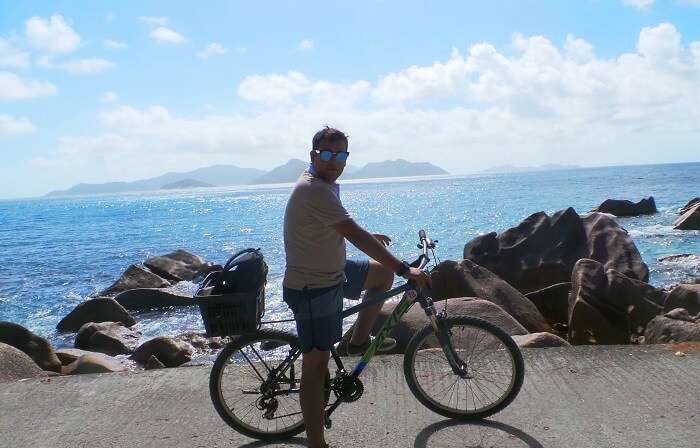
x=317, y=311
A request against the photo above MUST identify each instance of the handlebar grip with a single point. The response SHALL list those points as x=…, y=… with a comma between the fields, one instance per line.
x=421, y=234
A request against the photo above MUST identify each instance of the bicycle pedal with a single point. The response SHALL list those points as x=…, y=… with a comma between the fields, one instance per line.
x=328, y=423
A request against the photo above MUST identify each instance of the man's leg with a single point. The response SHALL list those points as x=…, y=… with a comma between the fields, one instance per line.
x=379, y=279
x=314, y=366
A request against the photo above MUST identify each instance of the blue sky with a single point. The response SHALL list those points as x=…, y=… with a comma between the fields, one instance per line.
x=103, y=91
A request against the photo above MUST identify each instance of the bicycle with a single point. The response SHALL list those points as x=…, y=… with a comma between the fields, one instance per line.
x=254, y=383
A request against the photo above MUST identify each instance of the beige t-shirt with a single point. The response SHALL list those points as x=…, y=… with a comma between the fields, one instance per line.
x=315, y=251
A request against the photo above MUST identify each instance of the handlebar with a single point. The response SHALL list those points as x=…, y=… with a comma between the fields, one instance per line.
x=425, y=244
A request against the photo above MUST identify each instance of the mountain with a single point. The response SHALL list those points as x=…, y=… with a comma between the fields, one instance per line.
x=221, y=175
x=289, y=172
x=518, y=169
x=186, y=183
x=396, y=168
x=224, y=175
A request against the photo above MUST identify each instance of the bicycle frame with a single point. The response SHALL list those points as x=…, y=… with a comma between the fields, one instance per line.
x=410, y=297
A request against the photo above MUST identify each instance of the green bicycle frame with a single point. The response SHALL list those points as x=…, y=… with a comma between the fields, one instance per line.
x=407, y=301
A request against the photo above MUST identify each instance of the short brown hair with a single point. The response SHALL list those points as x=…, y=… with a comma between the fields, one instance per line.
x=329, y=135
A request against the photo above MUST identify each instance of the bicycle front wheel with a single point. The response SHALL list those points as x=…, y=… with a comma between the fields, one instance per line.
x=490, y=375
x=254, y=385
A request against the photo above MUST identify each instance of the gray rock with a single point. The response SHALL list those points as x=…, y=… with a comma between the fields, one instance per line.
x=605, y=307
x=135, y=277
x=415, y=319
x=93, y=363
x=552, y=302
x=689, y=205
x=68, y=355
x=467, y=279
x=36, y=347
x=676, y=257
x=202, y=344
x=153, y=363
x=150, y=298
x=690, y=220
x=179, y=265
x=17, y=365
x=111, y=338
x=680, y=314
x=542, y=250
x=169, y=351
x=102, y=309
x=684, y=296
x=664, y=330
x=539, y=340
x=623, y=207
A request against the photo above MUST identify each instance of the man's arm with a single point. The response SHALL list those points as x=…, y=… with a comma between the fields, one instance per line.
x=367, y=243
x=371, y=246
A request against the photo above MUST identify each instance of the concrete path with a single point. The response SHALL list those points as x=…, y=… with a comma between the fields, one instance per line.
x=615, y=396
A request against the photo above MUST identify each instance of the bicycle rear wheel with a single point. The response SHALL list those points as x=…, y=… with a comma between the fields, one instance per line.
x=250, y=391
x=492, y=376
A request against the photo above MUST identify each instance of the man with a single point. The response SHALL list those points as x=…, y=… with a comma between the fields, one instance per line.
x=318, y=276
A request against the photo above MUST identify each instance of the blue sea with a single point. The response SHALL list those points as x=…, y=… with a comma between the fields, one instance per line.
x=54, y=253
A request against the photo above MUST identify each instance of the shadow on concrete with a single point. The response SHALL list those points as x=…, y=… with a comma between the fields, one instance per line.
x=481, y=433
x=294, y=441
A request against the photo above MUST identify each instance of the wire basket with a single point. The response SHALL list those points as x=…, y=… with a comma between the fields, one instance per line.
x=231, y=313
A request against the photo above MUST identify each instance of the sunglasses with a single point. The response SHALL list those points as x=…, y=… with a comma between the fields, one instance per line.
x=326, y=155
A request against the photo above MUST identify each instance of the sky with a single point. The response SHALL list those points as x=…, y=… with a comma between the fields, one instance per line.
x=116, y=91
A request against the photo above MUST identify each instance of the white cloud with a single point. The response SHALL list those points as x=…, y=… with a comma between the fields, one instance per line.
x=14, y=88
x=213, y=49
x=134, y=118
x=416, y=83
x=154, y=21
x=306, y=45
x=91, y=66
x=10, y=56
x=14, y=126
x=109, y=97
x=273, y=89
x=87, y=66
x=280, y=90
x=639, y=4
x=114, y=44
x=163, y=35
x=660, y=44
x=54, y=35
x=578, y=50
x=533, y=103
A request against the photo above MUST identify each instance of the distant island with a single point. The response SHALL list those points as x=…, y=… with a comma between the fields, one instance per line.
x=186, y=183
x=519, y=169
x=227, y=175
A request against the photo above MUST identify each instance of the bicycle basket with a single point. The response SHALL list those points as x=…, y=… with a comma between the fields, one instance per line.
x=230, y=306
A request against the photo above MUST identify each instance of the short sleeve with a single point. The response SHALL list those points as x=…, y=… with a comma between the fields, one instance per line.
x=325, y=206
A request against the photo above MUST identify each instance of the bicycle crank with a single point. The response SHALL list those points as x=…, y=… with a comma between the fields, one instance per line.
x=347, y=388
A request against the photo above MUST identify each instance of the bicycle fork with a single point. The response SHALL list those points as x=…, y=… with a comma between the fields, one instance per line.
x=459, y=367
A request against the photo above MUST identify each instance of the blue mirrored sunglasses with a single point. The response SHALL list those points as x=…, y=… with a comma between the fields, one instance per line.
x=327, y=155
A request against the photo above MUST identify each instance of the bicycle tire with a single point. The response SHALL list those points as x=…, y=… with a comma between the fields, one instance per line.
x=228, y=411
x=507, y=349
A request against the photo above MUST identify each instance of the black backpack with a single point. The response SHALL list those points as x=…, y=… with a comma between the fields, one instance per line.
x=245, y=271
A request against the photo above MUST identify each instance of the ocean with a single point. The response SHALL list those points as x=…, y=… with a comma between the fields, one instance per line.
x=54, y=253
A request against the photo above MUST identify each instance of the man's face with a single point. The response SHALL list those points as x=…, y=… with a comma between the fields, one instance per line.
x=331, y=170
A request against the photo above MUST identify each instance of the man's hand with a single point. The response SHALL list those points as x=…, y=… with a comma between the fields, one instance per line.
x=419, y=278
x=385, y=240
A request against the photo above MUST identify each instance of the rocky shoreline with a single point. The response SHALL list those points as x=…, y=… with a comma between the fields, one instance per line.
x=564, y=279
